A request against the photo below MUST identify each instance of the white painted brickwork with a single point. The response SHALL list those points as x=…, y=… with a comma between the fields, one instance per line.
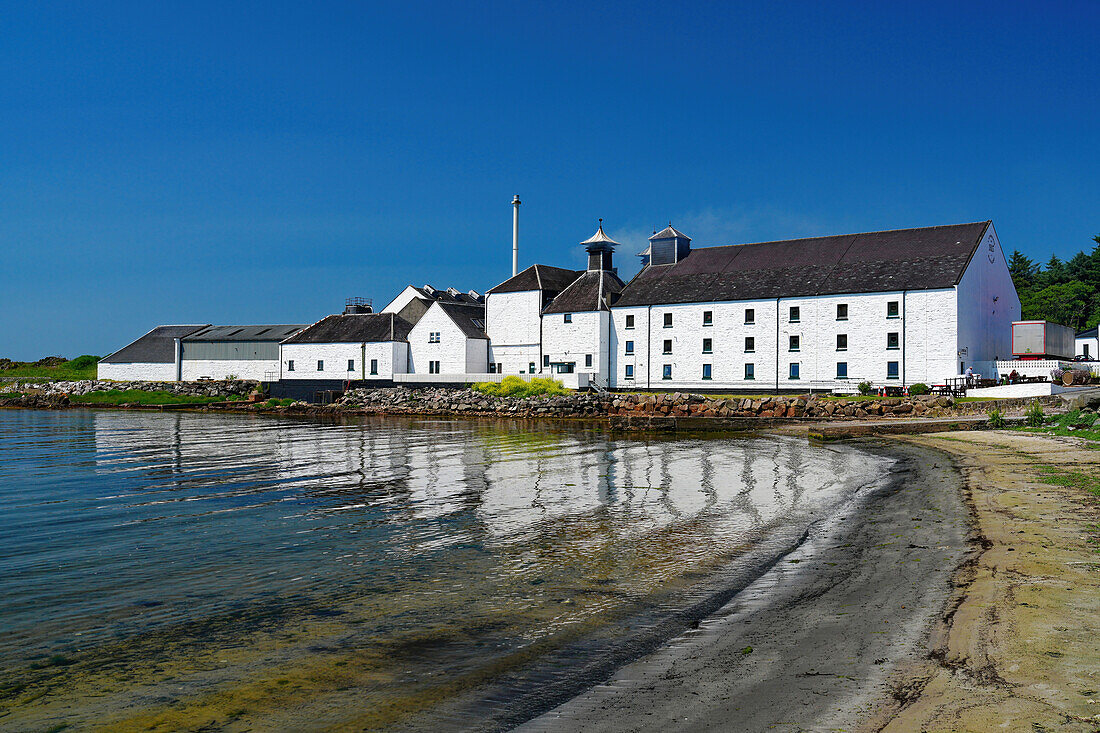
x=455, y=353
x=513, y=324
x=988, y=304
x=588, y=333
x=392, y=358
x=137, y=372
x=256, y=369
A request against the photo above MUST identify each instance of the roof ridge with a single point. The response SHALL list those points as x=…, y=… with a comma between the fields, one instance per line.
x=851, y=234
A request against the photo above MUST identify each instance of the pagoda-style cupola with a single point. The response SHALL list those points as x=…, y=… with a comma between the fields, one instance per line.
x=667, y=247
x=599, y=247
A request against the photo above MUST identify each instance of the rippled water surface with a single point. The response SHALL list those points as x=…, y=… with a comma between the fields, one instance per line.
x=168, y=571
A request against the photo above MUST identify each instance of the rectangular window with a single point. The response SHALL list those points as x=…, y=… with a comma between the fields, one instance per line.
x=433, y=337
x=893, y=310
x=351, y=365
x=842, y=311
x=630, y=321
x=842, y=370
x=588, y=360
x=629, y=347
x=795, y=314
x=891, y=370
x=750, y=371
x=320, y=365
x=545, y=361
x=708, y=318
x=433, y=367
x=666, y=371
x=792, y=372
x=706, y=371
x=842, y=342
x=707, y=346
x=531, y=367
x=892, y=340
x=750, y=344
x=290, y=365
x=668, y=320
x=668, y=347
x=374, y=366
x=492, y=368
x=750, y=315
x=794, y=343
x=500, y=368
x=630, y=371
x=567, y=317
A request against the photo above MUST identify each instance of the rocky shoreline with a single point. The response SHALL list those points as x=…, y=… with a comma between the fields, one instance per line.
x=621, y=408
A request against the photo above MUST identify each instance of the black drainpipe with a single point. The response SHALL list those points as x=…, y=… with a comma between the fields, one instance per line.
x=777, y=345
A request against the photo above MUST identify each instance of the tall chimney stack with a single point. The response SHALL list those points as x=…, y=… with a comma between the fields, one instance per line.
x=515, y=235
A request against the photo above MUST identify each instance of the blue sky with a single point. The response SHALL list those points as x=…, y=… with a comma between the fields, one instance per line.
x=198, y=163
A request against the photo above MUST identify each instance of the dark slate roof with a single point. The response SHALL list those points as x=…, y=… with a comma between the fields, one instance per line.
x=1089, y=333
x=246, y=333
x=354, y=328
x=670, y=232
x=538, y=277
x=470, y=318
x=902, y=259
x=446, y=296
x=156, y=347
x=591, y=291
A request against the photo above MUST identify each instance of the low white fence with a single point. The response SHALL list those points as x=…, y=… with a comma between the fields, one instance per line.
x=576, y=380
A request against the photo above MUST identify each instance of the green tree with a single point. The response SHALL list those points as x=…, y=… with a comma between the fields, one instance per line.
x=1023, y=270
x=1069, y=303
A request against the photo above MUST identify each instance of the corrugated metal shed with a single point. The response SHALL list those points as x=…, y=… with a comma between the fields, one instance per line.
x=275, y=333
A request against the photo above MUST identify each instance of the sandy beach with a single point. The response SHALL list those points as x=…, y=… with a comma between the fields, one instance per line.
x=962, y=597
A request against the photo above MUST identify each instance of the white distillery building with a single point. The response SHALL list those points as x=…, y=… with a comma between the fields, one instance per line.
x=173, y=353
x=449, y=339
x=1087, y=344
x=348, y=347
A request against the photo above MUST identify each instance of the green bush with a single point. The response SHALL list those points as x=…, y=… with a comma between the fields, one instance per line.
x=919, y=388
x=1034, y=415
x=865, y=388
x=140, y=397
x=513, y=386
x=997, y=419
x=82, y=362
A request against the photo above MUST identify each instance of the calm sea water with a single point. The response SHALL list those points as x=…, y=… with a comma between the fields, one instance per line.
x=184, y=571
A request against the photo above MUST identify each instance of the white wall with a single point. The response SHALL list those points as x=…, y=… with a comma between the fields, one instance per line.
x=258, y=369
x=392, y=358
x=1092, y=343
x=586, y=334
x=137, y=372
x=985, y=324
x=455, y=352
x=403, y=299
x=512, y=322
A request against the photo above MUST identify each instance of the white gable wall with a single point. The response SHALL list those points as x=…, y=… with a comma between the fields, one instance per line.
x=513, y=324
x=403, y=298
x=137, y=372
x=588, y=333
x=987, y=305
x=454, y=352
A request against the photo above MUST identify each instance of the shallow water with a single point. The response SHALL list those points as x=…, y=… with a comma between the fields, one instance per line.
x=167, y=571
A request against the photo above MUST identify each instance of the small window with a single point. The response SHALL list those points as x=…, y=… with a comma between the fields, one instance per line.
x=492, y=368
x=588, y=360
x=629, y=347
x=792, y=372
x=290, y=365
x=795, y=314
x=750, y=344
x=842, y=311
x=892, y=340
x=666, y=371
x=630, y=321
x=668, y=320
x=893, y=309
x=891, y=370
x=545, y=361
x=374, y=366
x=433, y=337
x=842, y=370
x=567, y=318
x=707, y=346
x=708, y=318
x=351, y=365
x=433, y=367
x=750, y=315
x=630, y=371
x=842, y=342
x=500, y=368
x=794, y=343
x=706, y=371
x=320, y=365
x=750, y=371
x=668, y=346
x=531, y=367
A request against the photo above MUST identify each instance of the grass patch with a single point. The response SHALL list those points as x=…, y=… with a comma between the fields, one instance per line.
x=276, y=402
x=82, y=367
x=140, y=397
x=1070, y=479
x=1074, y=424
x=513, y=386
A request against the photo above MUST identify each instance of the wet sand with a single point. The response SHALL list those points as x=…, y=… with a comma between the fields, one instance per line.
x=811, y=644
